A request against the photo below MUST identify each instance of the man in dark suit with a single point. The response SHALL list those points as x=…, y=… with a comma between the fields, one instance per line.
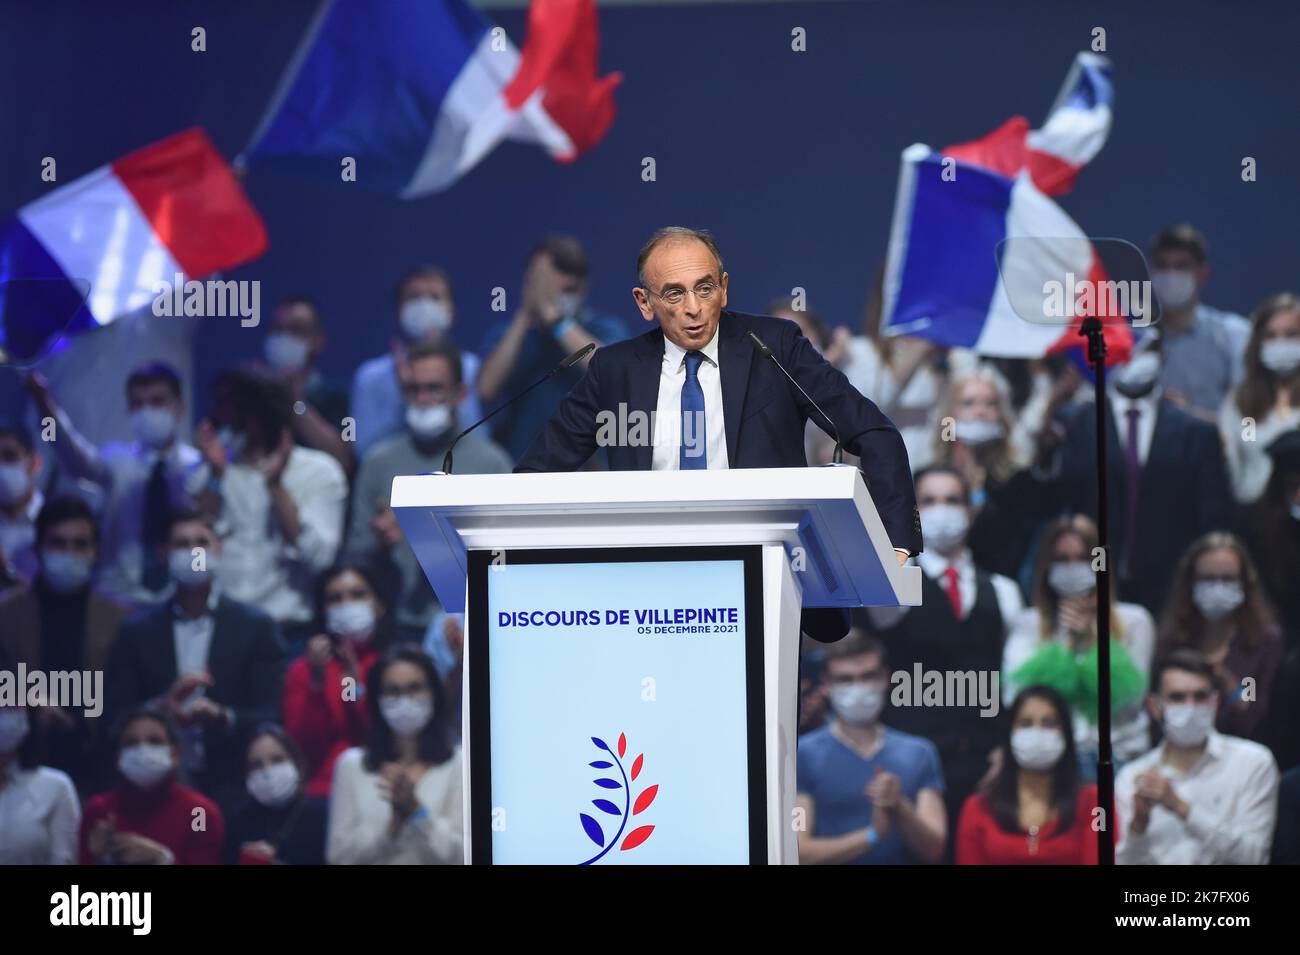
x=1167, y=486
x=713, y=402
x=213, y=663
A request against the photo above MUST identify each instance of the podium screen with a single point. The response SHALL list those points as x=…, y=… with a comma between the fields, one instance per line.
x=617, y=706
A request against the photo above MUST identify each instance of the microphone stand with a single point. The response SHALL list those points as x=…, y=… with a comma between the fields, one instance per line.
x=1092, y=330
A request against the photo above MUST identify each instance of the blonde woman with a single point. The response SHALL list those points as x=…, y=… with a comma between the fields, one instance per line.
x=1053, y=642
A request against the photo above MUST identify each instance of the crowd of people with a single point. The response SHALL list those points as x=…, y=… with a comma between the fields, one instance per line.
x=282, y=686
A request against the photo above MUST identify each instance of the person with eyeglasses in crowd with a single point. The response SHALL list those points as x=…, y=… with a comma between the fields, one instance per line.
x=278, y=824
x=1035, y=810
x=150, y=817
x=1200, y=797
x=397, y=799
x=1053, y=642
x=866, y=794
x=1217, y=607
x=324, y=706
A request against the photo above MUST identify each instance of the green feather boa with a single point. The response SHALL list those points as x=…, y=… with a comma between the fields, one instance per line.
x=1074, y=676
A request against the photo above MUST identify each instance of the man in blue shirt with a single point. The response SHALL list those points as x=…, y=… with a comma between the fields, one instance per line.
x=552, y=322
x=866, y=794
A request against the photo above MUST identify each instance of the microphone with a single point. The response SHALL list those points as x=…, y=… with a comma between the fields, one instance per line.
x=766, y=352
x=569, y=362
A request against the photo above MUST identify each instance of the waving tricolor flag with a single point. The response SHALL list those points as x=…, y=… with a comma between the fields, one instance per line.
x=416, y=94
x=113, y=237
x=961, y=246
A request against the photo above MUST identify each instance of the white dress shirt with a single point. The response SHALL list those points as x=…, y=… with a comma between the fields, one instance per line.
x=258, y=566
x=1232, y=791
x=935, y=566
x=668, y=411
x=360, y=815
x=1147, y=407
x=40, y=817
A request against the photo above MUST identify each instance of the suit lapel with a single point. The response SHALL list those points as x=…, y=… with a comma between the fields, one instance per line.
x=735, y=353
x=642, y=390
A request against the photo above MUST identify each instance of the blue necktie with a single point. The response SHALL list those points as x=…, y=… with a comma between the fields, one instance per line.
x=693, y=456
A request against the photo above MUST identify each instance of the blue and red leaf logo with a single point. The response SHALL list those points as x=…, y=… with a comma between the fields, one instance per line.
x=631, y=807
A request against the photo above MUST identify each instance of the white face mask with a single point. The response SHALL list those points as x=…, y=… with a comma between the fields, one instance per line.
x=944, y=526
x=145, y=764
x=858, y=703
x=1217, y=598
x=153, y=427
x=1071, y=578
x=275, y=785
x=1139, y=376
x=15, y=482
x=181, y=564
x=14, y=727
x=354, y=619
x=1188, y=724
x=65, y=573
x=1280, y=355
x=285, y=352
x=977, y=431
x=1037, y=748
x=406, y=716
x=1174, y=288
x=430, y=421
x=424, y=317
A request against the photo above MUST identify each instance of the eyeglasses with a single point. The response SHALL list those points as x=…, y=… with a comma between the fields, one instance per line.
x=675, y=296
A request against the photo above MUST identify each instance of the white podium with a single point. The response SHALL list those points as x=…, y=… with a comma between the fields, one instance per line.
x=695, y=581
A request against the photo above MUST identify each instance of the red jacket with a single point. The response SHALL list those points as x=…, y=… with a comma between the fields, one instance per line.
x=981, y=841
x=165, y=814
x=322, y=721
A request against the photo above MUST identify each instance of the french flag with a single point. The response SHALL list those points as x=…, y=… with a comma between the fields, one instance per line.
x=975, y=233
x=101, y=246
x=416, y=94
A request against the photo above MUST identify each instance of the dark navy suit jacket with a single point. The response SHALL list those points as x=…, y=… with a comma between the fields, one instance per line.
x=764, y=415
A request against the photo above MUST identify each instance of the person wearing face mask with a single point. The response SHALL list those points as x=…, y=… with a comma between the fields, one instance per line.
x=1268, y=395
x=553, y=321
x=61, y=623
x=1200, y=797
x=961, y=625
x=1035, y=810
x=279, y=507
x=292, y=349
x=1168, y=483
x=278, y=823
x=213, y=664
x=397, y=799
x=148, y=818
x=21, y=500
x=141, y=480
x=870, y=795
x=425, y=314
x=40, y=814
x=1203, y=346
x=974, y=436
x=433, y=389
x=1054, y=643
x=319, y=713
x=1217, y=607
x=1272, y=530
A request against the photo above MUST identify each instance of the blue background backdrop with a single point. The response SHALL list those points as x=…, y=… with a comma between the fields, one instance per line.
x=791, y=158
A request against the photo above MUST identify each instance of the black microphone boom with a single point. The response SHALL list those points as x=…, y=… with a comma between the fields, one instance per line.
x=766, y=352
x=569, y=362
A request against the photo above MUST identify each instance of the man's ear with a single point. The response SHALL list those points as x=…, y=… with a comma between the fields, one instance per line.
x=643, y=303
x=461, y=392
x=1202, y=274
x=1153, y=708
x=37, y=465
x=725, y=279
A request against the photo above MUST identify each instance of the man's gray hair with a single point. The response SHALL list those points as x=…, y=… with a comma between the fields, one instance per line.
x=675, y=233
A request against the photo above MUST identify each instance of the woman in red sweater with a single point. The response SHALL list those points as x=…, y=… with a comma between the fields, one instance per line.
x=149, y=818
x=1035, y=812
x=324, y=705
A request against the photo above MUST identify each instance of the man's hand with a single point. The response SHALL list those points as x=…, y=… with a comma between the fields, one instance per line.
x=902, y=558
x=204, y=710
x=39, y=388
x=885, y=791
x=180, y=692
x=1159, y=790
x=454, y=634
x=384, y=525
